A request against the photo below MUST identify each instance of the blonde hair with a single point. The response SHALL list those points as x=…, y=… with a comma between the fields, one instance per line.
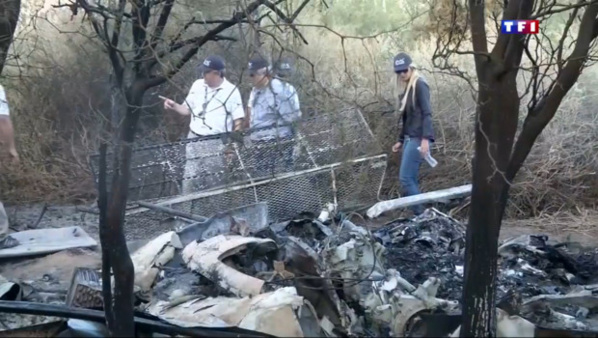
x=403, y=88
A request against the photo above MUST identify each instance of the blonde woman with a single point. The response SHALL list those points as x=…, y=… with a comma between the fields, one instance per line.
x=417, y=132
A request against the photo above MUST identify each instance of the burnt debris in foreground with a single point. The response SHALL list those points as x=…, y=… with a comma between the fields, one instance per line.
x=235, y=275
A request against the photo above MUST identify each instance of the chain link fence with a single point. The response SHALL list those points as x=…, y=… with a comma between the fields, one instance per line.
x=332, y=158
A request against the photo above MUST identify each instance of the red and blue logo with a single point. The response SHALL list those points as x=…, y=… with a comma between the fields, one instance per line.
x=520, y=26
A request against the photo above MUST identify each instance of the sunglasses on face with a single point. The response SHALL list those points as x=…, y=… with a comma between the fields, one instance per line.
x=401, y=71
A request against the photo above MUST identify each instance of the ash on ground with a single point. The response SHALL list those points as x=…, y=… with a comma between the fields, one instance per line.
x=433, y=246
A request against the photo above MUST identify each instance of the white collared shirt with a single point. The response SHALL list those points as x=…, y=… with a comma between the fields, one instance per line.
x=3, y=103
x=213, y=110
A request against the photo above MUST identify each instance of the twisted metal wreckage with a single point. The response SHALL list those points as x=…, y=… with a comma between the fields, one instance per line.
x=268, y=268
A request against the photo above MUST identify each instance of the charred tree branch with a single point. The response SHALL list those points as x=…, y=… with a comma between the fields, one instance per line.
x=114, y=54
x=118, y=23
x=141, y=14
x=212, y=35
x=478, y=31
x=562, y=9
x=162, y=21
x=284, y=18
x=516, y=45
x=511, y=12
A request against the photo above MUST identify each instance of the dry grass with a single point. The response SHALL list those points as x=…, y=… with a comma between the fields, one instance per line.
x=582, y=222
x=57, y=126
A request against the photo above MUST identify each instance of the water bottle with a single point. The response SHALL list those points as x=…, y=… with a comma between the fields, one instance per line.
x=431, y=161
x=3, y=221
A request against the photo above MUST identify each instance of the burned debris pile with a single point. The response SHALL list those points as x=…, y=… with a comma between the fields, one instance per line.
x=336, y=277
x=431, y=246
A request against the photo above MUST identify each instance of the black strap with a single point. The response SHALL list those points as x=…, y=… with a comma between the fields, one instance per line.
x=196, y=134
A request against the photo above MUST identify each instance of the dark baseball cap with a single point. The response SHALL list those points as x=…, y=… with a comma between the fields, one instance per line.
x=213, y=62
x=256, y=63
x=402, y=62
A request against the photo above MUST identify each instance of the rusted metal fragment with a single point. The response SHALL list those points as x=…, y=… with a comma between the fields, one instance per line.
x=206, y=258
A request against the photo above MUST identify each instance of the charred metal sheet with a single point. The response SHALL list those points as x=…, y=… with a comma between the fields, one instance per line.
x=249, y=218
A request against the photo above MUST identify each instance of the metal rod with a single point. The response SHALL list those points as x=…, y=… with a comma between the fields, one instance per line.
x=50, y=310
x=193, y=196
x=172, y=211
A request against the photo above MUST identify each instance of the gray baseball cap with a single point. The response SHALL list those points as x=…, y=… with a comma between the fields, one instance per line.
x=284, y=66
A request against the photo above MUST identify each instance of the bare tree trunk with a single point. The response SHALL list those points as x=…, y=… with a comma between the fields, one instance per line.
x=103, y=207
x=496, y=124
x=119, y=309
x=9, y=16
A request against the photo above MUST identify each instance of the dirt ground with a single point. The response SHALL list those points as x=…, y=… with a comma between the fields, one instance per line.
x=582, y=228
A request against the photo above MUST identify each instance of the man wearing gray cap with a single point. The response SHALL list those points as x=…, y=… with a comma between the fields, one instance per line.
x=272, y=108
x=216, y=108
x=284, y=68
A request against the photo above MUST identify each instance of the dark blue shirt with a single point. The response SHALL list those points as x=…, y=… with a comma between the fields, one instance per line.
x=417, y=115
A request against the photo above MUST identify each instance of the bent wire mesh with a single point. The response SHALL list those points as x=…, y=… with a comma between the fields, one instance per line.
x=201, y=164
x=351, y=184
x=330, y=158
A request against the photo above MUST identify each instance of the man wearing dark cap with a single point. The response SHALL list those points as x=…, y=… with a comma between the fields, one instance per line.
x=272, y=108
x=215, y=107
x=213, y=102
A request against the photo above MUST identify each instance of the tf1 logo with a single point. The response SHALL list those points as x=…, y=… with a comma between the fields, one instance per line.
x=520, y=26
